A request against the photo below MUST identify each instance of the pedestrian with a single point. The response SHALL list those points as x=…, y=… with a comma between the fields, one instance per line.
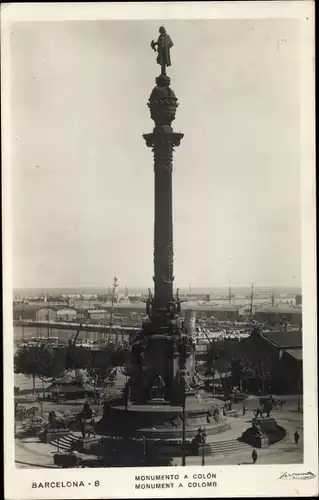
x=254, y=456
x=296, y=436
x=244, y=410
x=83, y=428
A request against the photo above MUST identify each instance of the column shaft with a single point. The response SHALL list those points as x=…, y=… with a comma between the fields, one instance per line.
x=163, y=225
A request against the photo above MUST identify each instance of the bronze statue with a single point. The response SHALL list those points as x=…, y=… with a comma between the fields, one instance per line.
x=158, y=386
x=185, y=379
x=201, y=436
x=159, y=381
x=149, y=304
x=256, y=427
x=176, y=421
x=126, y=394
x=164, y=44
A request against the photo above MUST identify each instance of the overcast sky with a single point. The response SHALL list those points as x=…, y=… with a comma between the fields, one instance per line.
x=82, y=176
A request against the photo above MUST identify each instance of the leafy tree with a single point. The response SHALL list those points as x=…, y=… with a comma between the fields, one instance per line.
x=76, y=358
x=239, y=366
x=119, y=355
x=218, y=360
x=101, y=370
x=37, y=361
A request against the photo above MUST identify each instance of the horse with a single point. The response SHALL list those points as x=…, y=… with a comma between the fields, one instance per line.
x=30, y=412
x=281, y=403
x=21, y=412
x=259, y=412
x=35, y=425
x=87, y=429
x=57, y=421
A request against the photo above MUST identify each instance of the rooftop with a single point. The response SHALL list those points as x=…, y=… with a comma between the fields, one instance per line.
x=284, y=339
x=38, y=306
x=282, y=309
x=295, y=353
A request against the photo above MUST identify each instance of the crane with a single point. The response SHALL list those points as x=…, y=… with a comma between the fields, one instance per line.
x=204, y=331
x=251, y=306
x=72, y=342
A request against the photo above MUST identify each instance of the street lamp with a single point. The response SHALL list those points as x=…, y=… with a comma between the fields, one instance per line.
x=144, y=450
x=184, y=429
x=299, y=398
x=204, y=437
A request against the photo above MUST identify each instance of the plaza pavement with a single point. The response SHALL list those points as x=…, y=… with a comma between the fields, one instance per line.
x=30, y=453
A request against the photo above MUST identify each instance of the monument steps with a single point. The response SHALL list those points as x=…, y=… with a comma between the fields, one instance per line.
x=64, y=443
x=228, y=447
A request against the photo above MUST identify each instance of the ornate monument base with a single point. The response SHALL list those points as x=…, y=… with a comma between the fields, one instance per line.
x=263, y=433
x=161, y=420
x=152, y=434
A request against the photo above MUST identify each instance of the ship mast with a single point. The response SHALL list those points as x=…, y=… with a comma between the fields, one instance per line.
x=229, y=294
x=114, y=289
x=229, y=288
x=251, y=306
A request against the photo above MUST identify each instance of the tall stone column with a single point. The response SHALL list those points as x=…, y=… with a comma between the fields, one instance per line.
x=162, y=352
x=163, y=104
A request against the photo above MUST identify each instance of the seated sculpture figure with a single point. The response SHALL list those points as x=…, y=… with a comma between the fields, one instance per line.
x=185, y=380
x=158, y=388
x=256, y=427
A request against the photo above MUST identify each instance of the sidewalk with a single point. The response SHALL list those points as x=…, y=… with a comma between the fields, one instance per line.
x=287, y=454
x=32, y=453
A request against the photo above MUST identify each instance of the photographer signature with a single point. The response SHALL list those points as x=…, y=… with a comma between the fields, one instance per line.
x=297, y=475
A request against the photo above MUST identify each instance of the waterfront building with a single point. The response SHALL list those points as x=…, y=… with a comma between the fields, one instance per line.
x=279, y=314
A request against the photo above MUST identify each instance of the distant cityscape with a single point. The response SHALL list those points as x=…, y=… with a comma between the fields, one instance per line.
x=116, y=314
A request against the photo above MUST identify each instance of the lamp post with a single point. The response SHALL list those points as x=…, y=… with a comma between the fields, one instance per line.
x=41, y=406
x=299, y=399
x=203, y=437
x=144, y=451
x=184, y=429
x=213, y=373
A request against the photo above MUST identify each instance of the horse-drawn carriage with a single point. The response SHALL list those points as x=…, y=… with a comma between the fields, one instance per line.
x=22, y=412
x=267, y=404
x=59, y=420
x=84, y=420
x=278, y=404
x=35, y=425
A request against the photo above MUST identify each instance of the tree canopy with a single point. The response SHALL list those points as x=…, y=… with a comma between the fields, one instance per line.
x=48, y=363
x=38, y=361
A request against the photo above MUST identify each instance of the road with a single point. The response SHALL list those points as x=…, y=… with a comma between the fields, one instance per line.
x=252, y=401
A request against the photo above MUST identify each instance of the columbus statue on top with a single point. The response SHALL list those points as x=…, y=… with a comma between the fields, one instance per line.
x=164, y=44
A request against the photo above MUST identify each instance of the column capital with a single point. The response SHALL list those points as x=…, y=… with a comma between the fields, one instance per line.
x=161, y=136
